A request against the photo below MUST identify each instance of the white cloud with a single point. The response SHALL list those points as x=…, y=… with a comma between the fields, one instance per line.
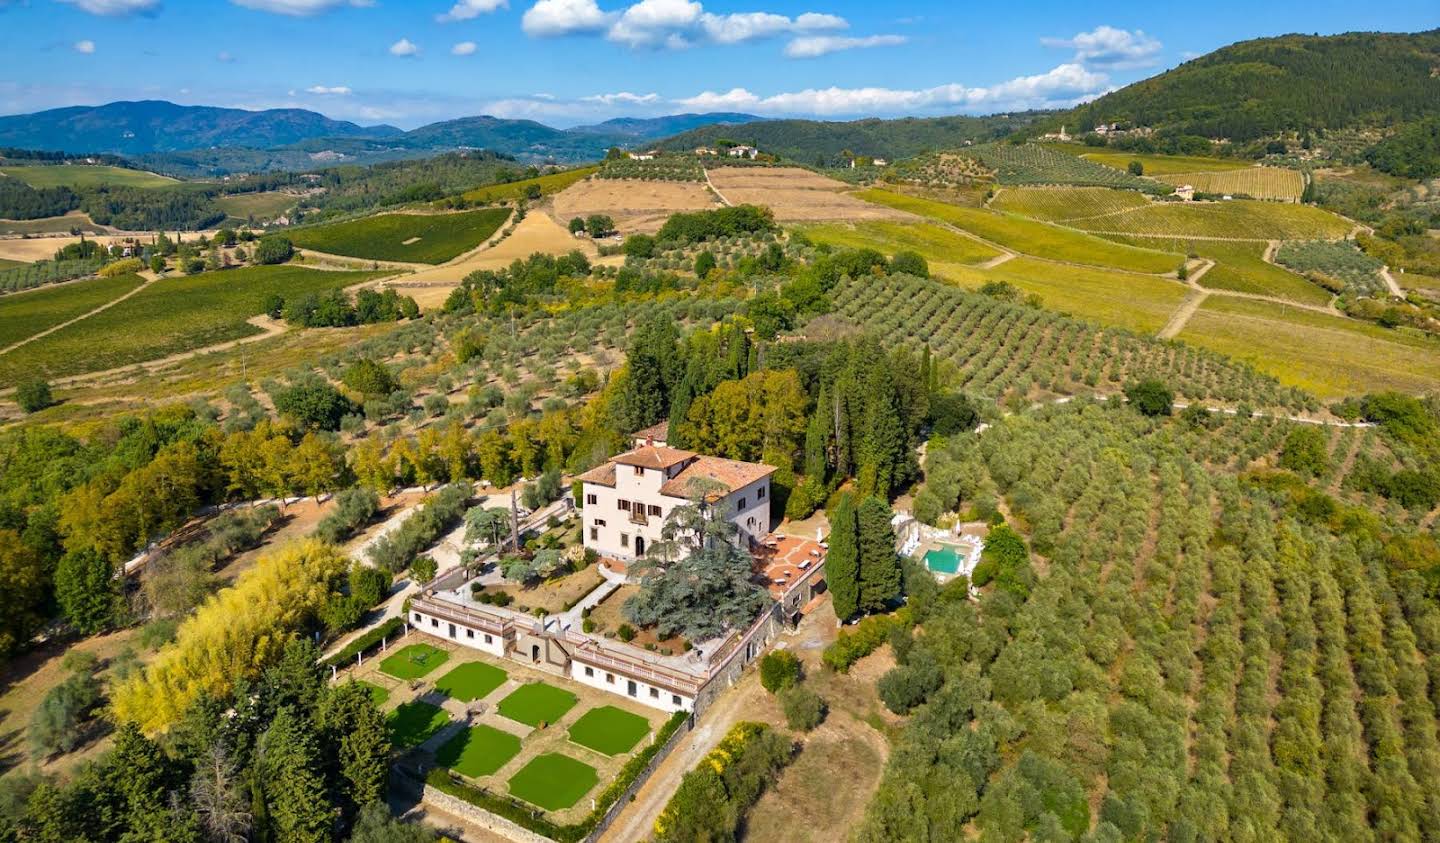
x=298, y=8
x=671, y=24
x=1061, y=86
x=404, y=48
x=336, y=90
x=811, y=46
x=620, y=98
x=116, y=8
x=86, y=46
x=549, y=18
x=470, y=9
x=1106, y=46
x=464, y=48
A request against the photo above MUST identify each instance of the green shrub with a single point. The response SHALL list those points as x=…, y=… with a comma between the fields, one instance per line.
x=33, y=395
x=804, y=709
x=866, y=637
x=365, y=642
x=779, y=669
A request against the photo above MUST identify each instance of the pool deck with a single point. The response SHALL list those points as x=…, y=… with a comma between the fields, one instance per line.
x=966, y=547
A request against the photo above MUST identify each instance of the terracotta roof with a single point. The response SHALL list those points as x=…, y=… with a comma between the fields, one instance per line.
x=654, y=456
x=603, y=475
x=659, y=432
x=730, y=474
x=783, y=562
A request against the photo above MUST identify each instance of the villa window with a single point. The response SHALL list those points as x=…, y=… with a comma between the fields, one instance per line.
x=591, y=500
x=623, y=504
x=654, y=510
x=639, y=471
x=469, y=633
x=760, y=494
x=624, y=539
x=675, y=700
x=417, y=617
x=594, y=534
x=610, y=679
x=589, y=671
x=434, y=622
x=599, y=522
x=654, y=693
x=742, y=504
x=488, y=639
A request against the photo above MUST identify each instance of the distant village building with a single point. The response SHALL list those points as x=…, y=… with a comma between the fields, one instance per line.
x=1185, y=192
x=744, y=151
x=1061, y=135
x=1106, y=128
x=880, y=162
x=706, y=151
x=648, y=155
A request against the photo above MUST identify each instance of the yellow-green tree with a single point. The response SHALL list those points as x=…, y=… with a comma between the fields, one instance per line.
x=234, y=635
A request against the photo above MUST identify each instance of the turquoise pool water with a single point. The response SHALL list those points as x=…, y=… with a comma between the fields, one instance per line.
x=943, y=560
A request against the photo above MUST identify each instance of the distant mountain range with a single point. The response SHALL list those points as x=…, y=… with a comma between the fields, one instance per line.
x=204, y=139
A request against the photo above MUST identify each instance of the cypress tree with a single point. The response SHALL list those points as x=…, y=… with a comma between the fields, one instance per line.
x=842, y=563
x=880, y=574
x=882, y=440
x=294, y=787
x=817, y=438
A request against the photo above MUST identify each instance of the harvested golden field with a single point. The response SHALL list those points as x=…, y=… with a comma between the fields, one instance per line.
x=75, y=220
x=538, y=232
x=44, y=248
x=641, y=206
x=1259, y=182
x=795, y=195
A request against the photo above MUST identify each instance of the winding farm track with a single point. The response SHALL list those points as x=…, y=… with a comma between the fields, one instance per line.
x=1390, y=282
x=53, y=328
x=713, y=188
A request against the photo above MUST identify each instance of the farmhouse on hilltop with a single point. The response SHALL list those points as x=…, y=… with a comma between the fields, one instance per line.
x=743, y=151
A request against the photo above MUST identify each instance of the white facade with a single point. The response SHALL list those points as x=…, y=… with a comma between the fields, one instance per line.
x=648, y=693
x=625, y=502
x=469, y=633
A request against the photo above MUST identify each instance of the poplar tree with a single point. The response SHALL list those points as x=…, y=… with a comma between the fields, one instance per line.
x=842, y=563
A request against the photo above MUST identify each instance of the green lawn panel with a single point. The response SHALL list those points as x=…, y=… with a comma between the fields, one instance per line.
x=537, y=703
x=471, y=681
x=553, y=782
x=609, y=730
x=478, y=751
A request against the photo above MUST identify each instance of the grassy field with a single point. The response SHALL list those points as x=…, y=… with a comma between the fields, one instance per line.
x=1159, y=165
x=1240, y=266
x=75, y=220
x=262, y=206
x=553, y=782
x=1030, y=237
x=478, y=751
x=1056, y=204
x=537, y=703
x=170, y=316
x=936, y=244
x=414, y=661
x=1240, y=219
x=1130, y=300
x=85, y=175
x=471, y=681
x=417, y=238
x=26, y=314
x=8, y=264
x=412, y=723
x=609, y=730
x=1330, y=356
x=1034, y=163
x=378, y=695
x=1259, y=182
x=510, y=191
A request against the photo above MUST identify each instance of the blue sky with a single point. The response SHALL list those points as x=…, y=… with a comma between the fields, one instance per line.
x=563, y=62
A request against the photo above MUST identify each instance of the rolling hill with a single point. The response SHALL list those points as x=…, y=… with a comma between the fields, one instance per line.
x=158, y=126
x=653, y=128
x=810, y=140
x=1289, y=83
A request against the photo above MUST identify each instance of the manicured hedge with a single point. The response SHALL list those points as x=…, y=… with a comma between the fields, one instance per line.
x=364, y=642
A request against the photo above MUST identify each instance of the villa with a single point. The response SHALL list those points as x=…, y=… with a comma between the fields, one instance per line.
x=627, y=500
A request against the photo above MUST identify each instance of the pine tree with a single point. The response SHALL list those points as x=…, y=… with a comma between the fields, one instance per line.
x=842, y=563
x=880, y=574
x=295, y=792
x=358, y=742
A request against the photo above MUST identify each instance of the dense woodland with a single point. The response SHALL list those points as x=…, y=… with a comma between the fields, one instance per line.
x=1290, y=83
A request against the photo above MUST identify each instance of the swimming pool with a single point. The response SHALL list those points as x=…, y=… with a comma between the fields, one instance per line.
x=942, y=560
